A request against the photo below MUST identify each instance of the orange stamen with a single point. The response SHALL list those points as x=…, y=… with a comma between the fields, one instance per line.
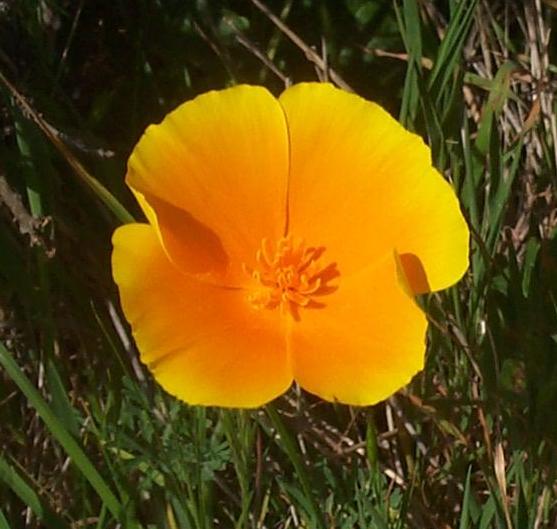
x=288, y=275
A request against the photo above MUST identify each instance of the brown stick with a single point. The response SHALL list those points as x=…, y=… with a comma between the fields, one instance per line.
x=309, y=52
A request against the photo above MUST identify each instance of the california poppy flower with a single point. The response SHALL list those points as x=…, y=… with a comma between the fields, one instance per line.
x=286, y=241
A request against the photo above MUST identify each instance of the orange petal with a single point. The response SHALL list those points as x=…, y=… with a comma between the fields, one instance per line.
x=216, y=168
x=434, y=245
x=365, y=343
x=203, y=343
x=361, y=185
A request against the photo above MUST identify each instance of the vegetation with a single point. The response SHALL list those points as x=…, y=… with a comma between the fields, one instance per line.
x=88, y=440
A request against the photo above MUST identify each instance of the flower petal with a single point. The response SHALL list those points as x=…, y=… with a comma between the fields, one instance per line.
x=433, y=247
x=203, y=343
x=361, y=185
x=365, y=343
x=216, y=165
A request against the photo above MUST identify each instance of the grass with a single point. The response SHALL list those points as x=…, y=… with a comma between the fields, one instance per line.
x=87, y=439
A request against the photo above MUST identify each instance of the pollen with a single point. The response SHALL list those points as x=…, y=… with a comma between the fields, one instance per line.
x=289, y=275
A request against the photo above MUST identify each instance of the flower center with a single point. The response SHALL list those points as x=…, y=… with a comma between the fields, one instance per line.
x=289, y=275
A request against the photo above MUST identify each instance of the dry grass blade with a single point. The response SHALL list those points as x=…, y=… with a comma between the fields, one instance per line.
x=500, y=474
x=309, y=52
x=257, y=52
x=102, y=192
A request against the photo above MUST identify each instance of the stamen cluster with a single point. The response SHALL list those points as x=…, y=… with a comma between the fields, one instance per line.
x=287, y=275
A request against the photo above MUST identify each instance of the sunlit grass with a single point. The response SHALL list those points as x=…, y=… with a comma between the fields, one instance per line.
x=88, y=440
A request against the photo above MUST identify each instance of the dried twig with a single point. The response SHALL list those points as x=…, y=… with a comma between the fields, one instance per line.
x=66, y=153
x=377, y=52
x=309, y=52
x=254, y=49
x=27, y=224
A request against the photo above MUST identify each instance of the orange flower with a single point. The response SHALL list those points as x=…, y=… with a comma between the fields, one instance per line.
x=286, y=240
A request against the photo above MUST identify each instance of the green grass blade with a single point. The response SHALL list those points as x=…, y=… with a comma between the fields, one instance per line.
x=451, y=46
x=409, y=27
x=60, y=401
x=11, y=478
x=78, y=456
x=289, y=447
x=501, y=198
x=412, y=35
x=3, y=521
x=465, y=510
